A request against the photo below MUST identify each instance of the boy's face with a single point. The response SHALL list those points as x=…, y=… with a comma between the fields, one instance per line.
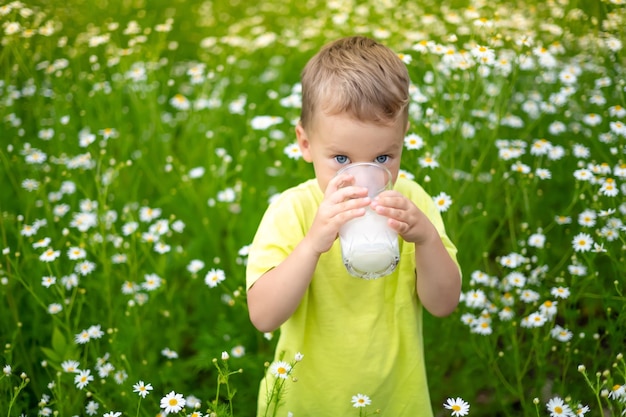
x=334, y=141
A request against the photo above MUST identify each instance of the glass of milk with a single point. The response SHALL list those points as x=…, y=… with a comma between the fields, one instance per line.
x=369, y=247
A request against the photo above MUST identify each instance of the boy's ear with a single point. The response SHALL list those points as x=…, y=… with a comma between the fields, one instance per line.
x=303, y=142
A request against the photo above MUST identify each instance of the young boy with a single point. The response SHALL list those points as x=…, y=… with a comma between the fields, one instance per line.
x=356, y=336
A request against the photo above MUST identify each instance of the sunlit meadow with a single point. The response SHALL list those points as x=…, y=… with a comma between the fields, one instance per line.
x=140, y=143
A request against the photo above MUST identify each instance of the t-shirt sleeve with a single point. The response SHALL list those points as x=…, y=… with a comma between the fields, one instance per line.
x=279, y=232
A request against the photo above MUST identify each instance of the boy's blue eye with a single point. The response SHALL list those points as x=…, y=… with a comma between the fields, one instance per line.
x=342, y=159
x=381, y=159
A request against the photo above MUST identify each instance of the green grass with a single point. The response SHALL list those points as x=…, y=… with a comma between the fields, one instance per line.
x=78, y=79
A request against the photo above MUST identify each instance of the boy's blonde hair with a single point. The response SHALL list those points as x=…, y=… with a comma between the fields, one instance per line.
x=357, y=76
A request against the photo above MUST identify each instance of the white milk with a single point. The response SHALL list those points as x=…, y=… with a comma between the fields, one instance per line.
x=369, y=246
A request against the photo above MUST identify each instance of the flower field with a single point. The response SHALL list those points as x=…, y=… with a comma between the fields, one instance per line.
x=140, y=143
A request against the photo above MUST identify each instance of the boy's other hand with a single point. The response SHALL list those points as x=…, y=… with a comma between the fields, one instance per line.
x=404, y=217
x=342, y=202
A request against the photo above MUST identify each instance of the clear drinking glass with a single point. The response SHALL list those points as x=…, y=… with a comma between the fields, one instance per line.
x=369, y=247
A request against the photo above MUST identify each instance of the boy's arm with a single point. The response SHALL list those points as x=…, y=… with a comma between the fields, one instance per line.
x=438, y=277
x=275, y=296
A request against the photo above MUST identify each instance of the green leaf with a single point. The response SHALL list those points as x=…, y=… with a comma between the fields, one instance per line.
x=51, y=355
x=59, y=343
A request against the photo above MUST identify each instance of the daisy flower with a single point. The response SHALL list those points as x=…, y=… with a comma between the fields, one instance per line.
x=561, y=334
x=48, y=281
x=55, y=308
x=30, y=184
x=583, y=174
x=28, y=230
x=178, y=226
x=582, y=242
x=413, y=141
x=506, y=313
x=129, y=228
x=152, y=282
x=41, y=243
x=537, y=240
x=529, y=296
x=168, y=353
x=293, y=151
x=563, y=220
x=475, y=298
x=195, y=265
x=406, y=58
x=548, y=308
x=557, y=408
x=265, y=122
x=482, y=326
x=84, y=221
x=617, y=392
x=75, y=253
x=238, y=351
x=49, y=255
x=214, y=277
x=405, y=174
x=85, y=268
x=428, y=162
x=360, y=400
x=193, y=402
x=70, y=366
x=172, y=403
x=543, y=174
x=82, y=337
x=120, y=377
x=534, y=320
x=161, y=247
x=581, y=151
x=560, y=292
x=129, y=287
x=520, y=167
x=92, y=408
x=105, y=370
x=609, y=188
x=458, y=406
x=95, y=332
x=142, y=389
x=280, y=369
x=180, y=102
x=581, y=410
x=83, y=379
x=442, y=201
x=147, y=214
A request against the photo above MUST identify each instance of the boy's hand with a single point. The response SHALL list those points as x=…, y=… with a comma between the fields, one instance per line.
x=342, y=202
x=404, y=217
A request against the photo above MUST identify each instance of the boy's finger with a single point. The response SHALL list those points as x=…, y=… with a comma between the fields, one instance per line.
x=340, y=181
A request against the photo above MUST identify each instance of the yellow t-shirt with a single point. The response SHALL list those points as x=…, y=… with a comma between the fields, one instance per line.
x=356, y=336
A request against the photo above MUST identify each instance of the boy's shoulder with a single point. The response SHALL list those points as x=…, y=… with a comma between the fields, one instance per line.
x=410, y=188
x=305, y=193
